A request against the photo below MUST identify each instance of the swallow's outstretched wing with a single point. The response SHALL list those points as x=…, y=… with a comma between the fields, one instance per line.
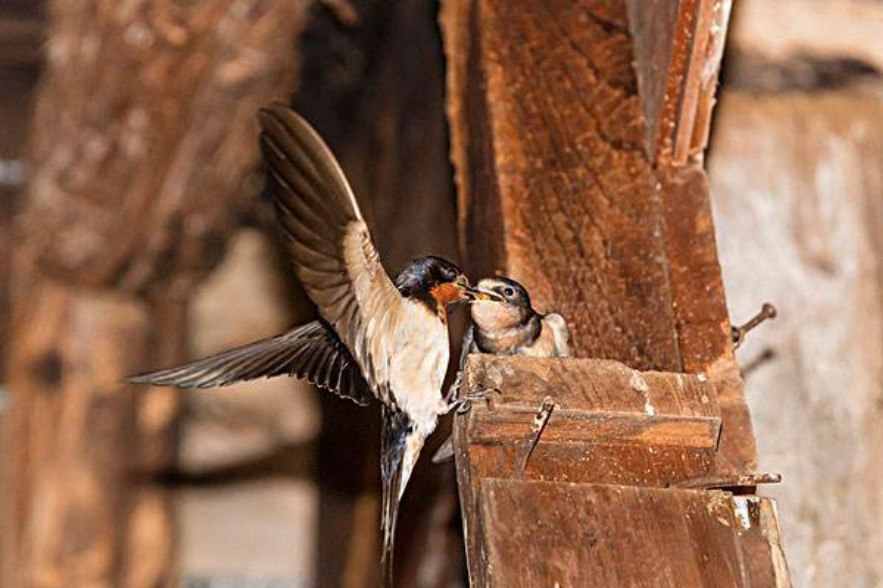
x=329, y=243
x=312, y=352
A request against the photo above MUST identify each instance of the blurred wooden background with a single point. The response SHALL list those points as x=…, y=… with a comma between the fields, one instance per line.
x=153, y=160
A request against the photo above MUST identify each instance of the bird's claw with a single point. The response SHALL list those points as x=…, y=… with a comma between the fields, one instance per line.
x=454, y=390
x=463, y=404
x=481, y=393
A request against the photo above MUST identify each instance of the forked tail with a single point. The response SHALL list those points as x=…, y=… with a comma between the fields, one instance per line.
x=400, y=445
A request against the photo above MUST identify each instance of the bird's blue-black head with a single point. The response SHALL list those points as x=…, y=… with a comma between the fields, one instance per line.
x=434, y=281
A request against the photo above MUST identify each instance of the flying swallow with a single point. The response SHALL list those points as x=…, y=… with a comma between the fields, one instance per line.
x=375, y=338
x=504, y=322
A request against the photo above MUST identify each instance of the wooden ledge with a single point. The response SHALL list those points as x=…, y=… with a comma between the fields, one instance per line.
x=595, y=401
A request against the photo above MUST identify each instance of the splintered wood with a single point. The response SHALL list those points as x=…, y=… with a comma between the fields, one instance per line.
x=578, y=130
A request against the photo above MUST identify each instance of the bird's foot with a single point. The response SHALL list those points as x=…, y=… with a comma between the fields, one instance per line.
x=454, y=390
x=463, y=404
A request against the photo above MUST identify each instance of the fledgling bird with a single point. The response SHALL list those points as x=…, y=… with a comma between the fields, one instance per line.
x=375, y=339
x=504, y=322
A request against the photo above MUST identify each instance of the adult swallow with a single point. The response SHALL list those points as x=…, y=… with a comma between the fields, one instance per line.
x=375, y=338
x=504, y=322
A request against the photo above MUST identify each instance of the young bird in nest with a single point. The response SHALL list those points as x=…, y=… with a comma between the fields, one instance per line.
x=375, y=340
x=504, y=322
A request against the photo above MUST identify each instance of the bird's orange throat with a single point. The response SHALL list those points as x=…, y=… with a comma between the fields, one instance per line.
x=446, y=294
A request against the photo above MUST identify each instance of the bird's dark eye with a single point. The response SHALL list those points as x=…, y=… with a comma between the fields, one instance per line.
x=508, y=292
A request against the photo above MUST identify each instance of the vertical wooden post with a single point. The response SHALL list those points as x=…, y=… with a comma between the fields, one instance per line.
x=577, y=134
x=143, y=137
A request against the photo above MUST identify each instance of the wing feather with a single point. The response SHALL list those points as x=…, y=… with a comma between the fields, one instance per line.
x=330, y=245
x=560, y=333
x=312, y=352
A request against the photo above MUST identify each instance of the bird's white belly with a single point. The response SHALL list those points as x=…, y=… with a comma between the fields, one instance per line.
x=419, y=365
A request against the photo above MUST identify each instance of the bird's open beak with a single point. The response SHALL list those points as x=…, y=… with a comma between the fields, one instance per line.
x=476, y=294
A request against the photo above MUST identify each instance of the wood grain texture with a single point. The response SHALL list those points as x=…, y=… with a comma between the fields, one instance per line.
x=576, y=535
x=115, y=171
x=701, y=317
x=139, y=157
x=555, y=186
x=589, y=385
x=595, y=401
x=578, y=132
x=678, y=47
x=611, y=424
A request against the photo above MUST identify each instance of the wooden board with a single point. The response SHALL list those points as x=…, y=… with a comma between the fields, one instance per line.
x=678, y=48
x=553, y=141
x=701, y=317
x=554, y=534
x=611, y=424
x=595, y=401
x=555, y=186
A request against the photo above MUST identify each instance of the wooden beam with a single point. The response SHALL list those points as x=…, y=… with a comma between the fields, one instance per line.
x=578, y=153
x=610, y=424
x=598, y=535
x=140, y=149
x=559, y=188
x=678, y=48
x=555, y=187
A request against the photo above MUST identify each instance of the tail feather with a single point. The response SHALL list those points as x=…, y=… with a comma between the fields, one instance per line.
x=399, y=448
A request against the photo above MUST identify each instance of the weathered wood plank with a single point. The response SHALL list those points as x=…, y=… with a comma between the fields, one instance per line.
x=595, y=401
x=601, y=463
x=701, y=316
x=578, y=426
x=610, y=424
x=555, y=186
x=579, y=176
x=590, y=385
x=678, y=47
x=578, y=535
